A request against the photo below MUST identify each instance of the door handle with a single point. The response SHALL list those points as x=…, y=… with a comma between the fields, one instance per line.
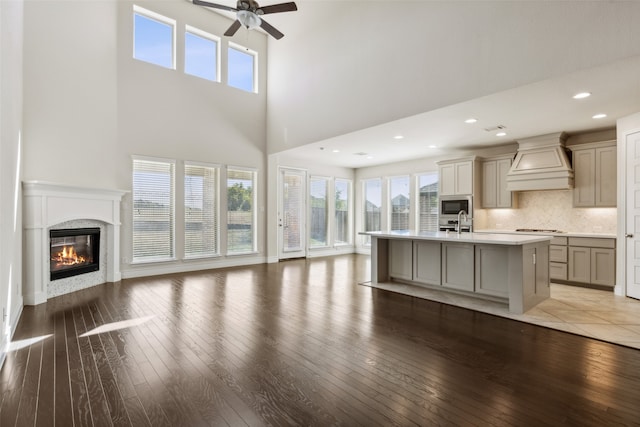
x=629, y=236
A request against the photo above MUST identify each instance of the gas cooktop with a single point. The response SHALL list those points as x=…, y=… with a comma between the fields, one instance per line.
x=538, y=230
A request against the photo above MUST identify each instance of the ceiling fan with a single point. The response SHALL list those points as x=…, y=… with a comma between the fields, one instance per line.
x=249, y=14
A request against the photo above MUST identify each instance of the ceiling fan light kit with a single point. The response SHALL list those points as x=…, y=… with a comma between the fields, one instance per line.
x=248, y=19
x=248, y=15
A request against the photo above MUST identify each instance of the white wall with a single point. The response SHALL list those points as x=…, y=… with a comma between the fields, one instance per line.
x=362, y=64
x=90, y=107
x=11, y=40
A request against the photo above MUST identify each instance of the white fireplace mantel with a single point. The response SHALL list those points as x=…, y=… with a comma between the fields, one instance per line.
x=48, y=204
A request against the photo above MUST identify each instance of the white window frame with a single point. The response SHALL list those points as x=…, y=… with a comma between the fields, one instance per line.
x=248, y=51
x=203, y=34
x=216, y=212
x=172, y=256
x=137, y=10
x=254, y=210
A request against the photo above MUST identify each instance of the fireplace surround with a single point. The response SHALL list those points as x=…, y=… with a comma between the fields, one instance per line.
x=48, y=207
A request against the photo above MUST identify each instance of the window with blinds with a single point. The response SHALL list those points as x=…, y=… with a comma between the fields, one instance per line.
x=400, y=203
x=240, y=211
x=428, y=202
x=342, y=232
x=372, y=206
x=200, y=210
x=318, y=202
x=153, y=210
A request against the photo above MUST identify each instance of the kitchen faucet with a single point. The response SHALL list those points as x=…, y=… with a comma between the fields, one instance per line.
x=466, y=218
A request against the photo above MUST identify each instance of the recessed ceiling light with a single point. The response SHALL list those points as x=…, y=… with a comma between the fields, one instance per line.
x=432, y=146
x=336, y=151
x=471, y=120
x=582, y=95
x=501, y=134
x=599, y=116
x=398, y=137
x=369, y=157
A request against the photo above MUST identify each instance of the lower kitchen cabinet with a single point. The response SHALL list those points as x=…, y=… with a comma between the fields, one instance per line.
x=603, y=267
x=458, y=266
x=401, y=259
x=491, y=278
x=592, y=261
x=426, y=262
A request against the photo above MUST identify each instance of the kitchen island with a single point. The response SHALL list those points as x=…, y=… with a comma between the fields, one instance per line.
x=513, y=269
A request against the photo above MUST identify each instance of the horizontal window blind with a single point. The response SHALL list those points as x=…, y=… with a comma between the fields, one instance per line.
x=153, y=210
x=318, y=201
x=428, y=202
x=200, y=210
x=342, y=214
x=240, y=211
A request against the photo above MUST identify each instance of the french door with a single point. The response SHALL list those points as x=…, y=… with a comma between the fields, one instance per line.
x=292, y=225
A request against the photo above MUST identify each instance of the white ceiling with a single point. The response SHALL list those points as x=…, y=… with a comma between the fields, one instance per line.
x=535, y=109
x=531, y=110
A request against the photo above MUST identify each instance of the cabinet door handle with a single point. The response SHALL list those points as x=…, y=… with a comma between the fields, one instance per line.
x=629, y=236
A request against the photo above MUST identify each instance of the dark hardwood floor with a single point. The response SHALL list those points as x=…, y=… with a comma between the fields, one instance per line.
x=300, y=343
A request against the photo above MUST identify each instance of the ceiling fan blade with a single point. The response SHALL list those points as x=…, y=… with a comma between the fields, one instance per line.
x=276, y=8
x=233, y=28
x=271, y=30
x=214, y=5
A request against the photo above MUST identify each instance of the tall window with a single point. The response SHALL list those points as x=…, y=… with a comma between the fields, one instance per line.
x=242, y=68
x=153, y=210
x=240, y=211
x=200, y=210
x=372, y=206
x=400, y=203
x=201, y=54
x=342, y=212
x=428, y=202
x=153, y=37
x=319, y=207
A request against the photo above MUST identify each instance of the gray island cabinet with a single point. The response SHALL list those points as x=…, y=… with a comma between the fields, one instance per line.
x=513, y=269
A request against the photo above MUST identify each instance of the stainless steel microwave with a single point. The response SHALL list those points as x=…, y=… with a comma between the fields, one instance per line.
x=451, y=205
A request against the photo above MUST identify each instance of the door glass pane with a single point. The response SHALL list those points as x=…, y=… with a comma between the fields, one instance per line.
x=291, y=212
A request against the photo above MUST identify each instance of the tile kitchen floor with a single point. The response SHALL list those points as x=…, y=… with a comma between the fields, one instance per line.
x=588, y=312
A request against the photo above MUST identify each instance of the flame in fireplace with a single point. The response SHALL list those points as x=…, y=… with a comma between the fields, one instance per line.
x=68, y=256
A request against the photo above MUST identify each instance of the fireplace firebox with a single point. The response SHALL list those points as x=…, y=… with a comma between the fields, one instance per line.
x=74, y=251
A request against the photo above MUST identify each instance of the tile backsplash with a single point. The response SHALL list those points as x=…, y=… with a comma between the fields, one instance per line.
x=548, y=210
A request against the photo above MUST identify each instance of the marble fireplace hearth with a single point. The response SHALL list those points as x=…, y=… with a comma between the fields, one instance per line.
x=49, y=206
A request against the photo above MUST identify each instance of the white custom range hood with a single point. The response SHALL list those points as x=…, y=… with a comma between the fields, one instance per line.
x=541, y=164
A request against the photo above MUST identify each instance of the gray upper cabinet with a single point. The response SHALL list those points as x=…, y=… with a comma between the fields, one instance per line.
x=595, y=166
x=457, y=177
x=494, y=183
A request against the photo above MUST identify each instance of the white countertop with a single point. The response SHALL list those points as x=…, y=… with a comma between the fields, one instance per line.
x=484, y=238
x=558, y=234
